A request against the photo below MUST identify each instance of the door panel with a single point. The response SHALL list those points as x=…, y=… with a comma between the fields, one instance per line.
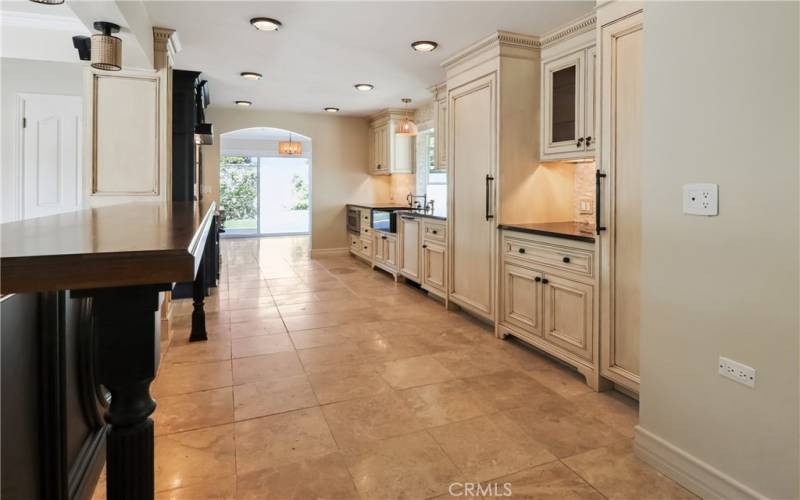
x=522, y=298
x=472, y=237
x=50, y=155
x=564, y=81
x=627, y=206
x=409, y=256
x=433, y=266
x=568, y=315
x=390, y=251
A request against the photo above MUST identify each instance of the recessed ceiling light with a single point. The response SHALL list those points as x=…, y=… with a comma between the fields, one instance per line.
x=249, y=75
x=331, y=109
x=244, y=104
x=364, y=87
x=265, y=24
x=424, y=45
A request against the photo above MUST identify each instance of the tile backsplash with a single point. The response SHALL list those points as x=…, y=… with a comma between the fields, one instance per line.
x=584, y=192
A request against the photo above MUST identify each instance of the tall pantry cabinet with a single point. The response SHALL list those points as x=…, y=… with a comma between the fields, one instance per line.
x=492, y=106
x=620, y=47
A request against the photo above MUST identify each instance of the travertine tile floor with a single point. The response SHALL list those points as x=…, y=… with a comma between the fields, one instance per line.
x=322, y=378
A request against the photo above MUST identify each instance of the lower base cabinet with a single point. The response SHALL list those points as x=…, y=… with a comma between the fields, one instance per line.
x=385, y=257
x=433, y=268
x=548, y=305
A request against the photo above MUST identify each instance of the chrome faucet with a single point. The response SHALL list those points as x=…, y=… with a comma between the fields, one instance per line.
x=414, y=201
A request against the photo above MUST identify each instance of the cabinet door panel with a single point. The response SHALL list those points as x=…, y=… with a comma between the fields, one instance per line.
x=409, y=256
x=433, y=266
x=379, y=247
x=441, y=135
x=390, y=251
x=590, y=97
x=564, y=87
x=522, y=298
x=568, y=315
x=471, y=244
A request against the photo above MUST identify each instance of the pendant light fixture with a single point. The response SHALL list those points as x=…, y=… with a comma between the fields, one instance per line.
x=106, y=49
x=290, y=148
x=406, y=126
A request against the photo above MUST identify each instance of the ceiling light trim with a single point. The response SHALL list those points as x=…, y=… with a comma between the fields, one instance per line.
x=251, y=75
x=433, y=45
x=271, y=21
x=243, y=103
x=366, y=87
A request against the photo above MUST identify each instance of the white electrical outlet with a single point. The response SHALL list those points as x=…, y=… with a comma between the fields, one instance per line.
x=737, y=371
x=701, y=199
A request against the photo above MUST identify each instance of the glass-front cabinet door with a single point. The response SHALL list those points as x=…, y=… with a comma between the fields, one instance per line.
x=563, y=104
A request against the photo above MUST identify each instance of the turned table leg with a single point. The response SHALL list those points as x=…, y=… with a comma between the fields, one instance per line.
x=127, y=325
x=198, y=304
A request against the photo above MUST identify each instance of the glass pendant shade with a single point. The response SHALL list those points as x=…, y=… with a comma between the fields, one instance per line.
x=106, y=49
x=290, y=147
x=406, y=127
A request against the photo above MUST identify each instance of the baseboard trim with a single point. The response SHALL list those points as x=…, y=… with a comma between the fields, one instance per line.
x=329, y=252
x=695, y=475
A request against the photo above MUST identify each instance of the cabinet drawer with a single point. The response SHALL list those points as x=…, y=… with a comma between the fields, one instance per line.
x=365, y=247
x=354, y=241
x=434, y=231
x=366, y=232
x=568, y=259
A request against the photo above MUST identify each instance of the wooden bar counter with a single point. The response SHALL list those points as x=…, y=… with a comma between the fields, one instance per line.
x=80, y=339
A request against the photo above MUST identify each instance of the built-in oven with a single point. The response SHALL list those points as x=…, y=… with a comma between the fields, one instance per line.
x=353, y=220
x=384, y=220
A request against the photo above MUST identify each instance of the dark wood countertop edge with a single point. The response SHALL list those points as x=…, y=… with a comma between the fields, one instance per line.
x=544, y=232
x=107, y=270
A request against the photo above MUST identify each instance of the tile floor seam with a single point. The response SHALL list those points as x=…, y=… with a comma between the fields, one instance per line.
x=577, y=473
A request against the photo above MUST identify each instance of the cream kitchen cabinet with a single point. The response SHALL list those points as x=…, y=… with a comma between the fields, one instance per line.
x=433, y=257
x=547, y=298
x=385, y=252
x=440, y=126
x=621, y=191
x=389, y=153
x=409, y=230
x=568, y=105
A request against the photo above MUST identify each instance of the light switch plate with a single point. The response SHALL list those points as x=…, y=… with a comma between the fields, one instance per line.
x=701, y=199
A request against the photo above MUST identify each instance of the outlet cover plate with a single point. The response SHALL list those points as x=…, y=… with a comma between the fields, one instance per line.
x=701, y=199
x=737, y=372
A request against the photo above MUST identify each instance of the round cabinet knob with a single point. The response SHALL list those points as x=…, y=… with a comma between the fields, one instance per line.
x=379, y=167
x=537, y=279
x=434, y=232
x=580, y=141
x=424, y=246
x=566, y=260
x=545, y=281
x=588, y=140
x=521, y=250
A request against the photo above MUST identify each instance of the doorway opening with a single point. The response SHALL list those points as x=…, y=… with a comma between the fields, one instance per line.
x=264, y=192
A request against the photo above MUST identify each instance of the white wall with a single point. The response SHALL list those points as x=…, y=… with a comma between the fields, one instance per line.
x=721, y=105
x=35, y=77
x=338, y=171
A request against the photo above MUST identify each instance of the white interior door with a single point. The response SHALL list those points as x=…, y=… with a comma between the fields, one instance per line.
x=50, y=154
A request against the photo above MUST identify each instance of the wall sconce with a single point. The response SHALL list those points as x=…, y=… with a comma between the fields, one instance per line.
x=106, y=49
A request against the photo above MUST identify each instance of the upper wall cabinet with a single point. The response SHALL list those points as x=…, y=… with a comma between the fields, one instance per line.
x=568, y=101
x=389, y=153
x=440, y=126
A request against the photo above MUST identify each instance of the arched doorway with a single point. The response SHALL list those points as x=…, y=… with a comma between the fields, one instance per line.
x=265, y=189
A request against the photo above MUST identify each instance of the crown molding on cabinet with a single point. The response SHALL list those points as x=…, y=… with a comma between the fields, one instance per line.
x=166, y=40
x=574, y=28
x=497, y=40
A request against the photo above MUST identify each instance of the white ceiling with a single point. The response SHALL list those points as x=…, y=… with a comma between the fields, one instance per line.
x=30, y=30
x=326, y=47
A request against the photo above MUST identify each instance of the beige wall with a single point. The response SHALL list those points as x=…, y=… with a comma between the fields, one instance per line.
x=721, y=105
x=338, y=171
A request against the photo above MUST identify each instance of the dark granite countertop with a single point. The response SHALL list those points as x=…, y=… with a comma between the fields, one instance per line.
x=427, y=216
x=569, y=230
x=386, y=206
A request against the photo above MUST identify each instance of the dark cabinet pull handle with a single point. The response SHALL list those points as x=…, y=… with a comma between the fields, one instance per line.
x=545, y=281
x=537, y=279
x=379, y=166
x=383, y=237
x=566, y=260
x=598, y=201
x=424, y=246
x=489, y=179
x=521, y=250
x=588, y=141
x=580, y=141
x=434, y=232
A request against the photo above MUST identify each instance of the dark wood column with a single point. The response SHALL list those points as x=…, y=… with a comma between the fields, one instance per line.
x=126, y=320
